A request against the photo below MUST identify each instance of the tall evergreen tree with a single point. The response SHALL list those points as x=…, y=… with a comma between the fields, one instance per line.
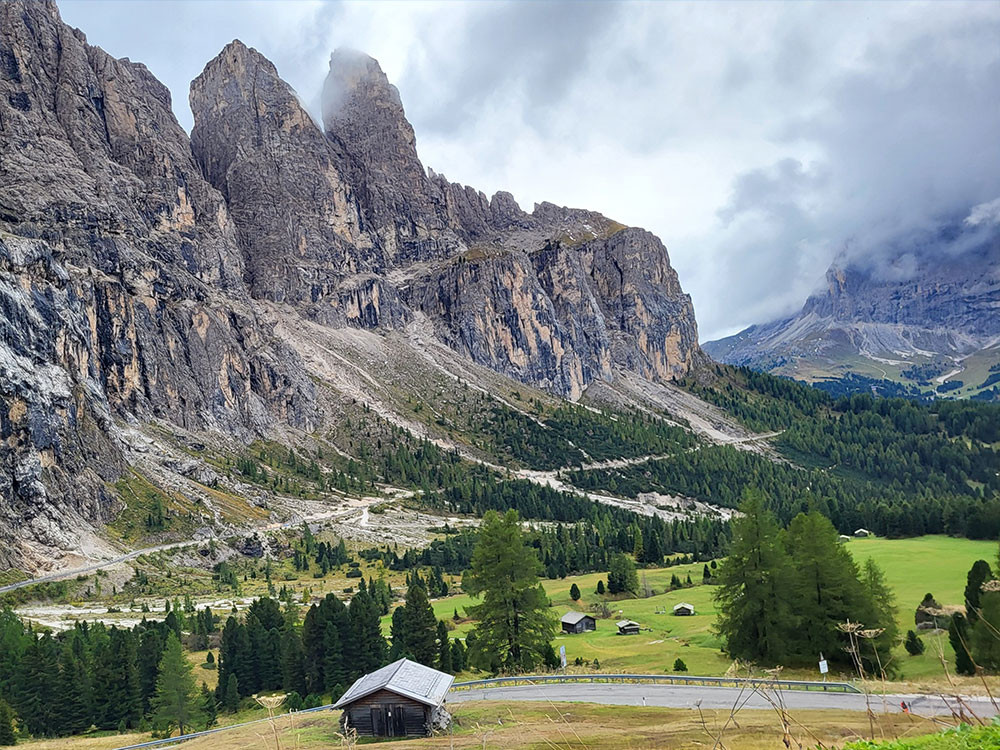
x=208, y=707
x=825, y=587
x=149, y=654
x=293, y=678
x=366, y=650
x=574, y=593
x=457, y=656
x=979, y=574
x=174, y=704
x=421, y=625
x=444, y=662
x=231, y=694
x=334, y=671
x=756, y=618
x=985, y=642
x=514, y=622
x=76, y=709
x=7, y=735
x=622, y=578
x=958, y=636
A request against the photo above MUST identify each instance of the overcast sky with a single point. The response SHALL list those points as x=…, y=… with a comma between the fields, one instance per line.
x=758, y=140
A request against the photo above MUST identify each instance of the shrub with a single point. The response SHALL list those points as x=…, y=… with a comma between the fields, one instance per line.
x=914, y=646
x=680, y=666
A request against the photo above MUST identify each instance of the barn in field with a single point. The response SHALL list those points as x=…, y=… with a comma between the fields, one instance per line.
x=683, y=609
x=402, y=699
x=627, y=627
x=577, y=622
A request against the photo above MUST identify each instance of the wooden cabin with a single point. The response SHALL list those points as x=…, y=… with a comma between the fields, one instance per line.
x=627, y=627
x=577, y=622
x=683, y=609
x=403, y=699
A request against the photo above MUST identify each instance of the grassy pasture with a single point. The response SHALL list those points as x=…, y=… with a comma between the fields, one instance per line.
x=912, y=567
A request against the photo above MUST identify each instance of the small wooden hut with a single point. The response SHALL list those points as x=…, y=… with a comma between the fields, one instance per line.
x=627, y=627
x=577, y=622
x=683, y=609
x=399, y=700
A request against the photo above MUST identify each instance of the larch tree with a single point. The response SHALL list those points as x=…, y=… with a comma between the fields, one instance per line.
x=755, y=585
x=514, y=624
x=174, y=703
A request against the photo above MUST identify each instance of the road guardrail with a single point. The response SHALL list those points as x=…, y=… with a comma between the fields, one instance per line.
x=668, y=679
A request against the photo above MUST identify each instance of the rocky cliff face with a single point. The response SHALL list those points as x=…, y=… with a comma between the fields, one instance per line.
x=121, y=283
x=140, y=270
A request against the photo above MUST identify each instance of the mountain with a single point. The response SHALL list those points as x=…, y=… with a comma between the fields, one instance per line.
x=167, y=301
x=924, y=314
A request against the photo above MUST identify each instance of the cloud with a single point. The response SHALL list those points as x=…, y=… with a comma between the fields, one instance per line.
x=984, y=214
x=760, y=140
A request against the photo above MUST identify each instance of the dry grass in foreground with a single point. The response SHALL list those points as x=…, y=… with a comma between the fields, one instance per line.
x=559, y=726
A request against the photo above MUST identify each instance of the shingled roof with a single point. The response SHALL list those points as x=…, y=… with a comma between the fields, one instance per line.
x=572, y=618
x=405, y=677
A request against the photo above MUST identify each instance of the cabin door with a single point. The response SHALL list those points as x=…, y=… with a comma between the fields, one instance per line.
x=398, y=721
x=380, y=721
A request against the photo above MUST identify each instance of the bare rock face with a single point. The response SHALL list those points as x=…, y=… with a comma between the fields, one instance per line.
x=297, y=217
x=364, y=120
x=120, y=281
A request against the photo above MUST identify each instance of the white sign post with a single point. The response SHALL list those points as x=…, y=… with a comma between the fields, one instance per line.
x=562, y=656
x=823, y=667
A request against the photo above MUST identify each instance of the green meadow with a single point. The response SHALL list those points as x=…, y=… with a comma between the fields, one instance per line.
x=912, y=567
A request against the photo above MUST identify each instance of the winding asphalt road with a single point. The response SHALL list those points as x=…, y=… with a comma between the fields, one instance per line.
x=687, y=696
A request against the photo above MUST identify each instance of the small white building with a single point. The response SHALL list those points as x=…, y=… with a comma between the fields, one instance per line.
x=861, y=533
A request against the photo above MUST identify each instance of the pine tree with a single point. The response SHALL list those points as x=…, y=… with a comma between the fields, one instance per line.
x=574, y=593
x=421, y=625
x=985, y=644
x=825, y=587
x=7, y=735
x=600, y=588
x=958, y=636
x=680, y=666
x=76, y=710
x=209, y=708
x=755, y=617
x=979, y=574
x=293, y=677
x=333, y=659
x=444, y=662
x=231, y=695
x=914, y=646
x=457, y=656
x=622, y=577
x=148, y=665
x=366, y=650
x=174, y=703
x=514, y=624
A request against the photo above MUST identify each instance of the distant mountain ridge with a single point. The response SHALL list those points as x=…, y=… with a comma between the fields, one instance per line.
x=925, y=316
